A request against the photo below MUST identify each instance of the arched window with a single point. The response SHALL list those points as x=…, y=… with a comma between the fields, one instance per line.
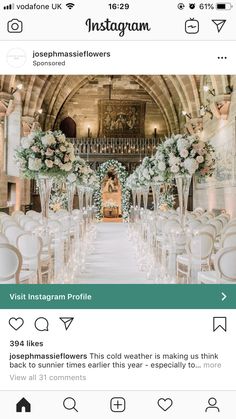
x=68, y=127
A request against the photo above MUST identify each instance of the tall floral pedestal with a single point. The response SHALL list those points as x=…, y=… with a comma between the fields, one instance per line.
x=45, y=187
x=145, y=192
x=183, y=184
x=80, y=190
x=70, y=191
x=156, y=188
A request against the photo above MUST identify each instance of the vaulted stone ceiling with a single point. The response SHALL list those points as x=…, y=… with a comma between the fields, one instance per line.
x=171, y=94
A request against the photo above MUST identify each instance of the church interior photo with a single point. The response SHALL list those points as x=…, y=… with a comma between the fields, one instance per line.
x=118, y=179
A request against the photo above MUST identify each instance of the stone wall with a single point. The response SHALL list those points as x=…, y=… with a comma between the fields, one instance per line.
x=83, y=106
x=224, y=131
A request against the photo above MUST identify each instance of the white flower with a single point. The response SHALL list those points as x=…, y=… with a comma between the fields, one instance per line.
x=191, y=165
x=200, y=159
x=61, y=138
x=72, y=156
x=146, y=174
x=182, y=143
x=184, y=153
x=49, y=152
x=34, y=164
x=169, y=142
x=35, y=149
x=27, y=142
x=174, y=160
x=71, y=177
x=49, y=163
x=63, y=148
x=161, y=166
x=48, y=140
x=67, y=167
x=174, y=168
x=57, y=162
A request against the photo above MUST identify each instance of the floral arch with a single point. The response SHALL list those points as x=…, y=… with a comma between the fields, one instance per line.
x=122, y=175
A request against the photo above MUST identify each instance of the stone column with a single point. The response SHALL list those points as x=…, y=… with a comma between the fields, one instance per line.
x=5, y=109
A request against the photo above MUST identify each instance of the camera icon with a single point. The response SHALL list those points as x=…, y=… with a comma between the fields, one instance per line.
x=15, y=26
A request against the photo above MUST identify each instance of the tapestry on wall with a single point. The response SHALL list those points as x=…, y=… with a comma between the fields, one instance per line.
x=121, y=118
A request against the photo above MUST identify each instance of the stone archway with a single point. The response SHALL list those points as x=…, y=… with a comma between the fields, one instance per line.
x=68, y=127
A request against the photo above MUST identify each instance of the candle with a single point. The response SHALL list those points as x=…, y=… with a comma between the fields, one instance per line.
x=155, y=132
x=88, y=131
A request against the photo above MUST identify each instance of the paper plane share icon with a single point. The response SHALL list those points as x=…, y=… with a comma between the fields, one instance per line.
x=67, y=321
x=219, y=23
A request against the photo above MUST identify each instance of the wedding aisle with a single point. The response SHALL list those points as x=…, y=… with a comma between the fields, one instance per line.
x=113, y=259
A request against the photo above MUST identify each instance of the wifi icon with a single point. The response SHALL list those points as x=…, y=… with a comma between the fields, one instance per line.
x=70, y=5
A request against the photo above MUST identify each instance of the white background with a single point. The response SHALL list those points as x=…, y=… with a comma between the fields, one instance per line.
x=127, y=331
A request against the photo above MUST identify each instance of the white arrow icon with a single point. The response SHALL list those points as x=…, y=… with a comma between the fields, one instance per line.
x=224, y=296
x=219, y=23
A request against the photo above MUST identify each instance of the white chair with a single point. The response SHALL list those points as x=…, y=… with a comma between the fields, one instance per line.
x=223, y=219
x=12, y=233
x=218, y=225
x=229, y=228
x=209, y=228
x=37, y=216
x=30, y=248
x=10, y=264
x=3, y=239
x=32, y=225
x=3, y=214
x=228, y=240
x=225, y=268
x=17, y=213
x=204, y=218
x=199, y=250
x=30, y=213
x=23, y=220
x=193, y=225
x=7, y=223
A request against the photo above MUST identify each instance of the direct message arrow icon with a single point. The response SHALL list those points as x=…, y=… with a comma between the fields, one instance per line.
x=67, y=321
x=219, y=23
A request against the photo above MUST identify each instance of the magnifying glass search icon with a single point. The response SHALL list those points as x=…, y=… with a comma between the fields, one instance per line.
x=70, y=404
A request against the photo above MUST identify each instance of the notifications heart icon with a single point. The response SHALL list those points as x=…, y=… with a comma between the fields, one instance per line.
x=165, y=404
x=16, y=323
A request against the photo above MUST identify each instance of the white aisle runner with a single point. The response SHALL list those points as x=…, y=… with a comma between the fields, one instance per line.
x=113, y=259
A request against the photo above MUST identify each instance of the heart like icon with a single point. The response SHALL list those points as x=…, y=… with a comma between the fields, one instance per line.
x=16, y=323
x=165, y=404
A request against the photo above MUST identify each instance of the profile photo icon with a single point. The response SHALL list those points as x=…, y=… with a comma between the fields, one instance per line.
x=15, y=26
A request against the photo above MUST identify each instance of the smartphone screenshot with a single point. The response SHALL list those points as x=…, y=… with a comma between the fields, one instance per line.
x=117, y=209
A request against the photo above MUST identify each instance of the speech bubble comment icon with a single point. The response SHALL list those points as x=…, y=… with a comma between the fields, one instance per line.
x=41, y=324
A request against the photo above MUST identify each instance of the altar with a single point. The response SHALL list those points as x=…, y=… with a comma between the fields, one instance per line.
x=111, y=196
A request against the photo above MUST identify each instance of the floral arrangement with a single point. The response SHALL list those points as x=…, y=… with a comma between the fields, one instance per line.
x=58, y=198
x=110, y=204
x=84, y=175
x=185, y=154
x=145, y=174
x=46, y=153
x=167, y=201
x=58, y=201
x=121, y=173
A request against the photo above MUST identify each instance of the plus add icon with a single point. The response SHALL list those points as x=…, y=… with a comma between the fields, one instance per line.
x=117, y=404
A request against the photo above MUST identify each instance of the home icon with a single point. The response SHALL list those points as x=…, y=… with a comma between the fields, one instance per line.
x=23, y=406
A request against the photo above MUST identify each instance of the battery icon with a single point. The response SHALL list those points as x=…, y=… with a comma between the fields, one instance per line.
x=224, y=6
